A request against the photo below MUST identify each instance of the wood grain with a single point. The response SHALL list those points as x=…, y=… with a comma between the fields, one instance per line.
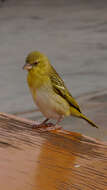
x=51, y=160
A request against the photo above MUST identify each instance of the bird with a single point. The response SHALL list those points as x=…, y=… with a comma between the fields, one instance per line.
x=49, y=92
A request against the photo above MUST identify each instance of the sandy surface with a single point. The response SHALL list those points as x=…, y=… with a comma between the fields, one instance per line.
x=74, y=36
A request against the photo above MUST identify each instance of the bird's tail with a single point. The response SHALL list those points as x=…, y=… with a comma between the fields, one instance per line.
x=88, y=120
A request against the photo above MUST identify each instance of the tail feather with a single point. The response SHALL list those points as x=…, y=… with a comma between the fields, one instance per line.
x=88, y=120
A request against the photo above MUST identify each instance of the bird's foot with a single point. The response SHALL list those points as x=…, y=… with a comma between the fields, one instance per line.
x=46, y=127
x=42, y=125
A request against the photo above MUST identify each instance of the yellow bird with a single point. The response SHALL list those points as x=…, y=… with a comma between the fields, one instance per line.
x=49, y=91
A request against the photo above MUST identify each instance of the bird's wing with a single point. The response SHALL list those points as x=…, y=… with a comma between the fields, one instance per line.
x=60, y=88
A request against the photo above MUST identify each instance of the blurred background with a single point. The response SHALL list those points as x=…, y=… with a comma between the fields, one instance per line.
x=73, y=34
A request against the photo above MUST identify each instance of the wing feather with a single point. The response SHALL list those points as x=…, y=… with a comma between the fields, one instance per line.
x=60, y=88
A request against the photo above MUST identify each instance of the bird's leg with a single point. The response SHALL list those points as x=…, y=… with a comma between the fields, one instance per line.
x=59, y=120
x=41, y=124
x=54, y=126
x=46, y=125
x=45, y=121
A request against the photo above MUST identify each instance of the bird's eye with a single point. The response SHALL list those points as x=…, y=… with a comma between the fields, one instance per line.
x=35, y=63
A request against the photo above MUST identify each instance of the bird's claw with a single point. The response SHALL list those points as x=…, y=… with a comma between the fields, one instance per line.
x=46, y=127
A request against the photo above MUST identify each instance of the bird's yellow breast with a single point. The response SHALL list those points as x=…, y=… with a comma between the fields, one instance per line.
x=36, y=79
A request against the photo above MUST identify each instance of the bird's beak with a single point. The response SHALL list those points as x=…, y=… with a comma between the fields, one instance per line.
x=27, y=66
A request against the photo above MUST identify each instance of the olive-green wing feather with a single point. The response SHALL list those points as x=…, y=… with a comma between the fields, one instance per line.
x=60, y=88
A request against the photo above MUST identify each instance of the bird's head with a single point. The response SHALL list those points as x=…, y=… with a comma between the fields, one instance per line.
x=36, y=60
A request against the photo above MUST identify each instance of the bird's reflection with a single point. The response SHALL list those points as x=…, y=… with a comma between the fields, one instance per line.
x=56, y=162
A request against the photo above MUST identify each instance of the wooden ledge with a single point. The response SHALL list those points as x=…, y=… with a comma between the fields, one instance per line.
x=53, y=160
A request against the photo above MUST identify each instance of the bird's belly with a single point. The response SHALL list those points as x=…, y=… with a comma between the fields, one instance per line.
x=45, y=104
x=50, y=104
